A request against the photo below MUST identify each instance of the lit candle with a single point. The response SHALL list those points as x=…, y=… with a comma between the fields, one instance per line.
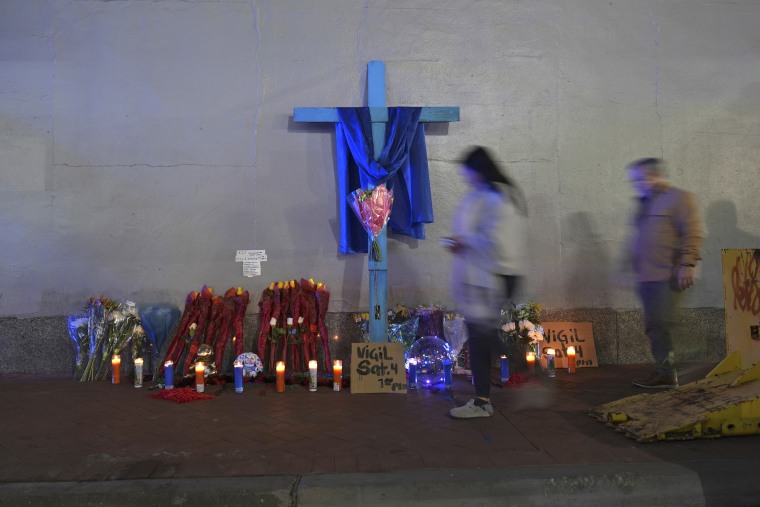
x=571, y=359
x=337, y=374
x=447, y=380
x=550, y=367
x=238, y=376
x=138, y=372
x=115, y=369
x=531, y=358
x=200, y=369
x=504, y=369
x=280, y=368
x=169, y=375
x=412, y=373
x=313, y=375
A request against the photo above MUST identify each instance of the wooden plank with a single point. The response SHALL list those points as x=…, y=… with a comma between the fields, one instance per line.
x=330, y=114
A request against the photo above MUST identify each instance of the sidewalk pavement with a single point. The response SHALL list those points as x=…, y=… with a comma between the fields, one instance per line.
x=92, y=443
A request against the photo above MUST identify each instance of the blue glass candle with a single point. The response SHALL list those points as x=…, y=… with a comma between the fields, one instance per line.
x=412, y=374
x=168, y=375
x=238, y=376
x=447, y=380
x=504, y=369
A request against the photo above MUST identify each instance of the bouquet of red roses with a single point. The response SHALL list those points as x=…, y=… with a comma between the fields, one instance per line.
x=372, y=208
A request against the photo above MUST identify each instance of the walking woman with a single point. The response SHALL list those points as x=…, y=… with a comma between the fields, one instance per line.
x=487, y=243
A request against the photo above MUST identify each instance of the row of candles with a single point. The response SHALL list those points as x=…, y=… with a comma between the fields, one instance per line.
x=200, y=373
x=550, y=361
x=200, y=370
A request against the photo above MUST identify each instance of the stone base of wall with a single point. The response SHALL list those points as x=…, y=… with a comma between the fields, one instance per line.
x=41, y=345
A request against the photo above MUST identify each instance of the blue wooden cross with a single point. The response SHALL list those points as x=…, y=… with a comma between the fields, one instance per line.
x=378, y=270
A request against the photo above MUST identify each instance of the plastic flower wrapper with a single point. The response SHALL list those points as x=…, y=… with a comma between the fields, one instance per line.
x=79, y=334
x=98, y=311
x=362, y=319
x=455, y=332
x=124, y=326
x=431, y=321
x=404, y=332
x=252, y=364
x=138, y=341
x=372, y=208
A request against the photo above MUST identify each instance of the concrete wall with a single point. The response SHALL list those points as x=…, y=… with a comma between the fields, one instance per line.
x=144, y=142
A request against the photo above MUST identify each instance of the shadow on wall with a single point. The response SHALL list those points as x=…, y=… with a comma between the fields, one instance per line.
x=721, y=232
x=588, y=262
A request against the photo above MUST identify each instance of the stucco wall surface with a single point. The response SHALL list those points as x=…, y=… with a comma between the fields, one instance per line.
x=144, y=142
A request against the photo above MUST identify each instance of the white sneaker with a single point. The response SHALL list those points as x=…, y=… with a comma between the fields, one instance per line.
x=470, y=410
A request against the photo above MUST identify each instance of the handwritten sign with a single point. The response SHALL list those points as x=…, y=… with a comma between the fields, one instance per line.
x=561, y=335
x=377, y=368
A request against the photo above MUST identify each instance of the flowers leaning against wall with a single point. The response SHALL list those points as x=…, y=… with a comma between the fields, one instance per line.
x=521, y=331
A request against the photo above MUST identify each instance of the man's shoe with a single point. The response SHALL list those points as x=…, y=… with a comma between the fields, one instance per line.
x=658, y=381
x=471, y=410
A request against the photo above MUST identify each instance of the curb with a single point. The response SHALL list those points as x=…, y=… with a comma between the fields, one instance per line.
x=586, y=485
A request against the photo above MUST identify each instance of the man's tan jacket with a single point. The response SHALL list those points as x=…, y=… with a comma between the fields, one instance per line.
x=667, y=234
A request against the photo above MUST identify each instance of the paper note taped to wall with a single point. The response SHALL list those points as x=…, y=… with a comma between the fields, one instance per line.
x=251, y=260
x=250, y=255
x=251, y=268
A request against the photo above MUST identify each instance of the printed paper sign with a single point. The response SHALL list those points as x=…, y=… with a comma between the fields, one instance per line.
x=250, y=255
x=561, y=335
x=377, y=368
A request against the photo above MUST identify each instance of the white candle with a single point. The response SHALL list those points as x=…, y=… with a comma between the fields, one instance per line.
x=138, y=372
x=312, y=375
x=200, y=368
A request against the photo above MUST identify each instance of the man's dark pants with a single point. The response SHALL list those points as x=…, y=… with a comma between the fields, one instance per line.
x=660, y=301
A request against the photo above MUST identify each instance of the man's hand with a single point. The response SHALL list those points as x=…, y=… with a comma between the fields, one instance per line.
x=687, y=275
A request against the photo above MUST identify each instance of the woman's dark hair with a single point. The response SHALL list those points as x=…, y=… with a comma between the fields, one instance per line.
x=479, y=159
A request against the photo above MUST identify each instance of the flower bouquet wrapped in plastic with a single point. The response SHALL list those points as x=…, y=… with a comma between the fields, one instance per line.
x=124, y=327
x=372, y=208
x=402, y=326
x=521, y=332
x=404, y=332
x=79, y=333
x=98, y=312
x=455, y=332
x=362, y=320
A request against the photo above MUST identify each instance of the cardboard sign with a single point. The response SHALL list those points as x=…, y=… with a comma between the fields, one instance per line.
x=741, y=292
x=561, y=335
x=377, y=367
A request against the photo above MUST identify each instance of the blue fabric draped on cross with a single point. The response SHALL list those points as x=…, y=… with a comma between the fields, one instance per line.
x=402, y=166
